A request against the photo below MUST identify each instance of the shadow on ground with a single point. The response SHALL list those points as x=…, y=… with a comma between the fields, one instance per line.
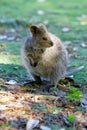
x=13, y=72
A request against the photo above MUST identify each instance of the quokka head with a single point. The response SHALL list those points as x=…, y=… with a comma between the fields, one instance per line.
x=41, y=36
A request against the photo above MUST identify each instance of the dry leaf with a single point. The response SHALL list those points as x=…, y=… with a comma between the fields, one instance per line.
x=40, y=12
x=84, y=45
x=2, y=45
x=3, y=37
x=4, y=100
x=32, y=123
x=10, y=38
x=40, y=1
x=11, y=82
x=65, y=29
x=42, y=127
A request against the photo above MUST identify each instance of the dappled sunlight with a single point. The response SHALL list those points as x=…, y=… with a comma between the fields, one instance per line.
x=24, y=103
x=10, y=59
x=13, y=72
x=10, y=52
x=17, y=105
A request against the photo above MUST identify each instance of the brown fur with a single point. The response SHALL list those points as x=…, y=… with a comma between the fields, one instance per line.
x=44, y=55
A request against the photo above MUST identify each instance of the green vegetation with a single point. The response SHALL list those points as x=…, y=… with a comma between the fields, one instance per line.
x=74, y=94
x=5, y=125
x=71, y=118
x=14, y=15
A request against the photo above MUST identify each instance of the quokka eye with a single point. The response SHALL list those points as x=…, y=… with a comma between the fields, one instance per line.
x=44, y=38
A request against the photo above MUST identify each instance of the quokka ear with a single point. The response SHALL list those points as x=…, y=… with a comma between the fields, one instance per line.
x=34, y=29
x=42, y=27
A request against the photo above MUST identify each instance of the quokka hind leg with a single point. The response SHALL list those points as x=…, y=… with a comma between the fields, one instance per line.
x=37, y=79
x=50, y=85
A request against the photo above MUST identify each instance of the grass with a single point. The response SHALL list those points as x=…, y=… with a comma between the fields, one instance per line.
x=13, y=52
x=57, y=14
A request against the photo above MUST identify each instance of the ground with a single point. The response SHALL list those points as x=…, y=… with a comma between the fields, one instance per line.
x=66, y=19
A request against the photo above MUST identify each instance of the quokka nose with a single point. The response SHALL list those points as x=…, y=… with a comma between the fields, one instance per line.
x=51, y=43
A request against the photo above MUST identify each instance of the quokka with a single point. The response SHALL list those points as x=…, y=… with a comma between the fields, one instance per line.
x=44, y=55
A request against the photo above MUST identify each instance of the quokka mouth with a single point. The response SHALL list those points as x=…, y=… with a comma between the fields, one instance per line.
x=51, y=43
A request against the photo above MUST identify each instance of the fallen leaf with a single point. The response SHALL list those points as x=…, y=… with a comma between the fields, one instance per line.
x=2, y=45
x=40, y=1
x=32, y=123
x=10, y=38
x=83, y=20
x=3, y=37
x=4, y=100
x=11, y=82
x=42, y=127
x=81, y=118
x=84, y=45
x=75, y=49
x=65, y=29
x=40, y=12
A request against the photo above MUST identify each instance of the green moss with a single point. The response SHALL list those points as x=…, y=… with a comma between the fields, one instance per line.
x=74, y=94
x=71, y=118
x=5, y=125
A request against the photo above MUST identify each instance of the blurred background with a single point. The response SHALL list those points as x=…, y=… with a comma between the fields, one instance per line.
x=65, y=18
